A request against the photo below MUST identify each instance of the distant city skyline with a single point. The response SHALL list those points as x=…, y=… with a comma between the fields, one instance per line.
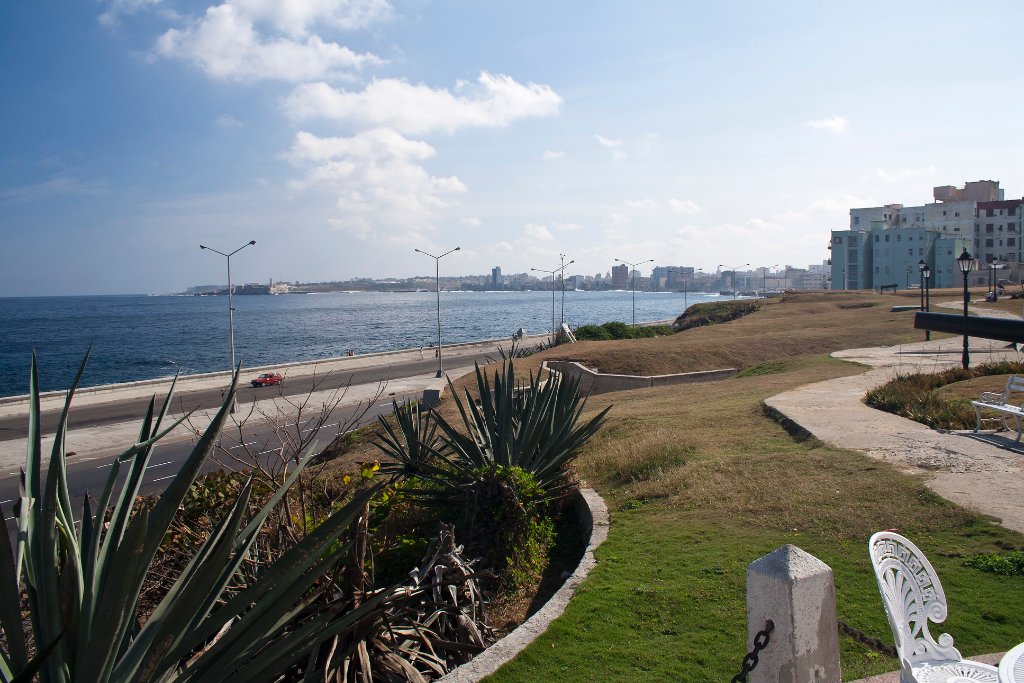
x=342, y=134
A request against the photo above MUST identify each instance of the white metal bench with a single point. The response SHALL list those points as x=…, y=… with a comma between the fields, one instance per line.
x=913, y=596
x=1003, y=404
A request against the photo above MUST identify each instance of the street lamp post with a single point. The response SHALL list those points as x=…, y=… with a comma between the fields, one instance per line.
x=437, y=280
x=927, y=272
x=964, y=262
x=733, y=269
x=231, y=310
x=921, y=268
x=632, y=267
x=561, y=280
x=560, y=269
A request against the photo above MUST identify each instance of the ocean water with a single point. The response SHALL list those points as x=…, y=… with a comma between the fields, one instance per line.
x=143, y=337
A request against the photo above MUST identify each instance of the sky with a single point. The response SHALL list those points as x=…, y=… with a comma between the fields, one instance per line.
x=343, y=134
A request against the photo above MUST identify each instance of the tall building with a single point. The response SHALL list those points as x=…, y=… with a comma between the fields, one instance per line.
x=496, y=281
x=886, y=244
x=620, y=276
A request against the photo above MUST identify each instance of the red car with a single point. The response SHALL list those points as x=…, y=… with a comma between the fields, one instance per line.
x=267, y=379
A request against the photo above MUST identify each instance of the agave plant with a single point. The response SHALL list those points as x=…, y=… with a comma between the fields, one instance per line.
x=82, y=581
x=534, y=427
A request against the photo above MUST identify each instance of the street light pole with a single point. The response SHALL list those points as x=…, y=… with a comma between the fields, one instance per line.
x=561, y=280
x=632, y=267
x=964, y=262
x=231, y=309
x=733, y=270
x=927, y=271
x=437, y=281
x=561, y=268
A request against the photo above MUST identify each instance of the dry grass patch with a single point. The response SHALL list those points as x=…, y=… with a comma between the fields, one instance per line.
x=799, y=324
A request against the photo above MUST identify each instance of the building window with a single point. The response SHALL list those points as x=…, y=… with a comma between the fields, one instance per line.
x=1012, y=211
x=837, y=240
x=910, y=252
x=887, y=237
x=957, y=214
x=989, y=213
x=856, y=220
x=920, y=251
x=956, y=229
x=1011, y=227
x=876, y=238
x=876, y=270
x=899, y=237
x=988, y=242
x=943, y=213
x=1011, y=241
x=988, y=228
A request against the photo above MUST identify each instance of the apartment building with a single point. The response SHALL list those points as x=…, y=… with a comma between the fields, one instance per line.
x=885, y=245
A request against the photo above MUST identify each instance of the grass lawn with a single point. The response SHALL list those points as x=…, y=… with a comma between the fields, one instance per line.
x=701, y=483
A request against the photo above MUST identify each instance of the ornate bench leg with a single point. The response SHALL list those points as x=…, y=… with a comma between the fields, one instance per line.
x=977, y=425
x=1017, y=417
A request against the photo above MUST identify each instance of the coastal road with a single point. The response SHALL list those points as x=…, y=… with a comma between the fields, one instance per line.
x=134, y=407
x=105, y=420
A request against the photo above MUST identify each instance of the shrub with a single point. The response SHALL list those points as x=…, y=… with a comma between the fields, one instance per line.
x=1004, y=564
x=713, y=313
x=620, y=330
x=912, y=395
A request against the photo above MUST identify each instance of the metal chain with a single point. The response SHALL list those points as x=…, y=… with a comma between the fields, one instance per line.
x=750, y=661
x=869, y=641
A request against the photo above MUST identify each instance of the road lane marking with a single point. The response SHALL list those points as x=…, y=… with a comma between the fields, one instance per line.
x=161, y=464
x=172, y=476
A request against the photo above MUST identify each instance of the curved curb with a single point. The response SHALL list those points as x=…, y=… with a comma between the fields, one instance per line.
x=594, y=514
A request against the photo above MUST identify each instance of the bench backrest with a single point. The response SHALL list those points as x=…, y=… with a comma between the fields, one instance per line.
x=1014, y=384
x=912, y=596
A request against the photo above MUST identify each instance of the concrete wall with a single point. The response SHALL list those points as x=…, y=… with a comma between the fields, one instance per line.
x=598, y=383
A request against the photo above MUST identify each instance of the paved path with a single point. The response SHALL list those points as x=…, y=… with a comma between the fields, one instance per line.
x=980, y=471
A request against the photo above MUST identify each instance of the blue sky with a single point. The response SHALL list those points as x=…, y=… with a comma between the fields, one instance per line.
x=342, y=134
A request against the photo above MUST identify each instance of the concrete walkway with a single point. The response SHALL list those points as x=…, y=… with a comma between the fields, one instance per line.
x=982, y=471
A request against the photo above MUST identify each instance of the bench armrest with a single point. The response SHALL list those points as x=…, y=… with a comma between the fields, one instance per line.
x=991, y=397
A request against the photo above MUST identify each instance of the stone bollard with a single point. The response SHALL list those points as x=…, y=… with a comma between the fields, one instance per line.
x=794, y=589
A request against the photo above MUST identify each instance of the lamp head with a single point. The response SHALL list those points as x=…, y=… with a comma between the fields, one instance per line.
x=921, y=265
x=927, y=271
x=203, y=246
x=252, y=241
x=964, y=260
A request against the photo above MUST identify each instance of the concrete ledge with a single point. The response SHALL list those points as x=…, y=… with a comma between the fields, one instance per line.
x=902, y=308
x=598, y=383
x=593, y=515
x=433, y=393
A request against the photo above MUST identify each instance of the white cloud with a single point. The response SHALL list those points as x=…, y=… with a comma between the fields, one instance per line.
x=495, y=102
x=568, y=227
x=646, y=203
x=505, y=246
x=119, y=8
x=377, y=178
x=57, y=185
x=551, y=154
x=228, y=121
x=607, y=142
x=617, y=218
x=684, y=206
x=902, y=174
x=834, y=123
x=471, y=220
x=225, y=44
x=297, y=17
x=537, y=232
